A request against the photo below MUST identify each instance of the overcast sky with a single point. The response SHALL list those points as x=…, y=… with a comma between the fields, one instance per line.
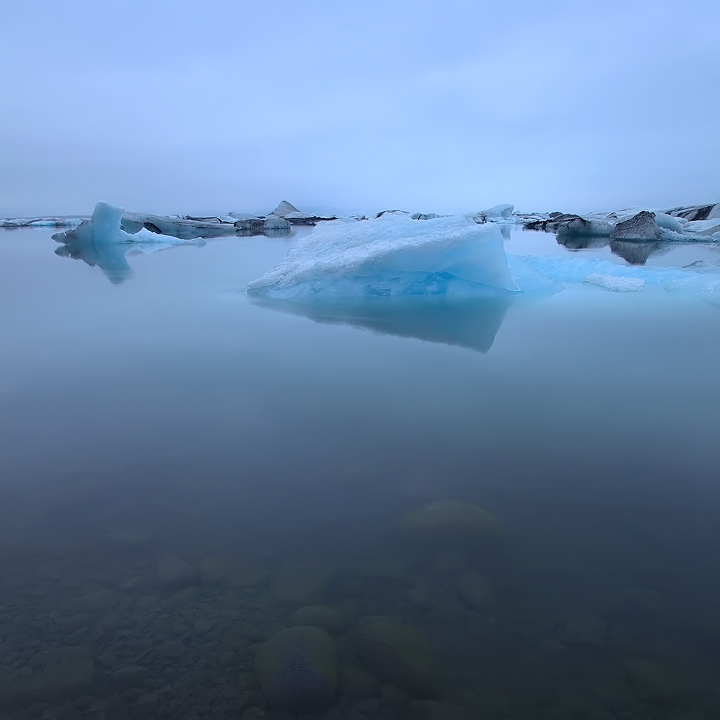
x=358, y=106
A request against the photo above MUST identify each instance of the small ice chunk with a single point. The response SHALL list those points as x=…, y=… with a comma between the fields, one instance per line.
x=503, y=211
x=668, y=222
x=392, y=256
x=617, y=284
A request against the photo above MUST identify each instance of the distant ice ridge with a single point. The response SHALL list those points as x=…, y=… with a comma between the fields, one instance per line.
x=392, y=256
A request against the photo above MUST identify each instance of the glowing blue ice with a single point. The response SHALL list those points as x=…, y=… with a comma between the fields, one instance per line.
x=392, y=256
x=454, y=257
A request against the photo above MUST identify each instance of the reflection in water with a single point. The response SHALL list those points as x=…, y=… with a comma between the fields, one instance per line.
x=110, y=257
x=637, y=253
x=469, y=323
x=633, y=252
x=581, y=242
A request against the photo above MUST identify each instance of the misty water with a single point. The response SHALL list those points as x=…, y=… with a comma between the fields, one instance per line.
x=184, y=471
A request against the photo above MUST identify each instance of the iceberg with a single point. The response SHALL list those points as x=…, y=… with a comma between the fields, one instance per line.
x=105, y=227
x=392, y=256
x=102, y=242
x=394, y=260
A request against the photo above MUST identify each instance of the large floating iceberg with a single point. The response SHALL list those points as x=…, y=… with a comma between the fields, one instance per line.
x=455, y=258
x=392, y=256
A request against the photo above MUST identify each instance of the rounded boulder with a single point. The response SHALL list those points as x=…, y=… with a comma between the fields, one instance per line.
x=297, y=669
x=398, y=654
x=449, y=521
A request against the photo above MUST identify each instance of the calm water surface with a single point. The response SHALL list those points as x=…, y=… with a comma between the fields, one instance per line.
x=182, y=469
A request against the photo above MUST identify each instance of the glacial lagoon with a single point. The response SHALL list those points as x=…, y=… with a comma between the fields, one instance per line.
x=187, y=471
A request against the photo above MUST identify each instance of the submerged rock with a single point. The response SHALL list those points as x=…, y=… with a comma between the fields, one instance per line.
x=449, y=521
x=398, y=654
x=297, y=669
x=172, y=572
x=247, y=574
x=300, y=583
x=66, y=672
x=654, y=681
x=430, y=710
x=475, y=590
x=639, y=227
x=322, y=616
x=586, y=628
x=213, y=571
x=357, y=682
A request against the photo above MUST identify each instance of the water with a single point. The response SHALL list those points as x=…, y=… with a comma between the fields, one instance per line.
x=182, y=469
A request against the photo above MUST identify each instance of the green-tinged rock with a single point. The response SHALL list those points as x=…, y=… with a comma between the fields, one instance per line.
x=300, y=583
x=247, y=575
x=188, y=596
x=297, y=669
x=445, y=565
x=322, y=616
x=585, y=627
x=653, y=680
x=172, y=572
x=429, y=710
x=357, y=682
x=475, y=590
x=213, y=571
x=398, y=654
x=449, y=522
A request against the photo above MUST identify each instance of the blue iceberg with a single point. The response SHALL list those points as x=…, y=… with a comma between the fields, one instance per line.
x=455, y=258
x=392, y=256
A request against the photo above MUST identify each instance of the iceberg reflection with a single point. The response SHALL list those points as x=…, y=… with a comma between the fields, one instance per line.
x=469, y=323
x=109, y=258
x=102, y=241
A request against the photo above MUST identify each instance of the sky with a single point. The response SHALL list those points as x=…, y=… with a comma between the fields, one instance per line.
x=453, y=106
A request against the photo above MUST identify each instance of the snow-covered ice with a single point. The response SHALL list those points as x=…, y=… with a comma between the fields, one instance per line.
x=392, y=256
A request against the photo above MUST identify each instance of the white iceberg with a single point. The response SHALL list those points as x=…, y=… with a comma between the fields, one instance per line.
x=105, y=227
x=456, y=258
x=392, y=256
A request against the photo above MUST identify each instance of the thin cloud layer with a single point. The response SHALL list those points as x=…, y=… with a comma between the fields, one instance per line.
x=355, y=109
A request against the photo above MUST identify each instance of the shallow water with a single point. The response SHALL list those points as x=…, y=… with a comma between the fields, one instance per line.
x=171, y=451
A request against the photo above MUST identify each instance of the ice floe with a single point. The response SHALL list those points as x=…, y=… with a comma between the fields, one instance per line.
x=395, y=256
x=392, y=256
